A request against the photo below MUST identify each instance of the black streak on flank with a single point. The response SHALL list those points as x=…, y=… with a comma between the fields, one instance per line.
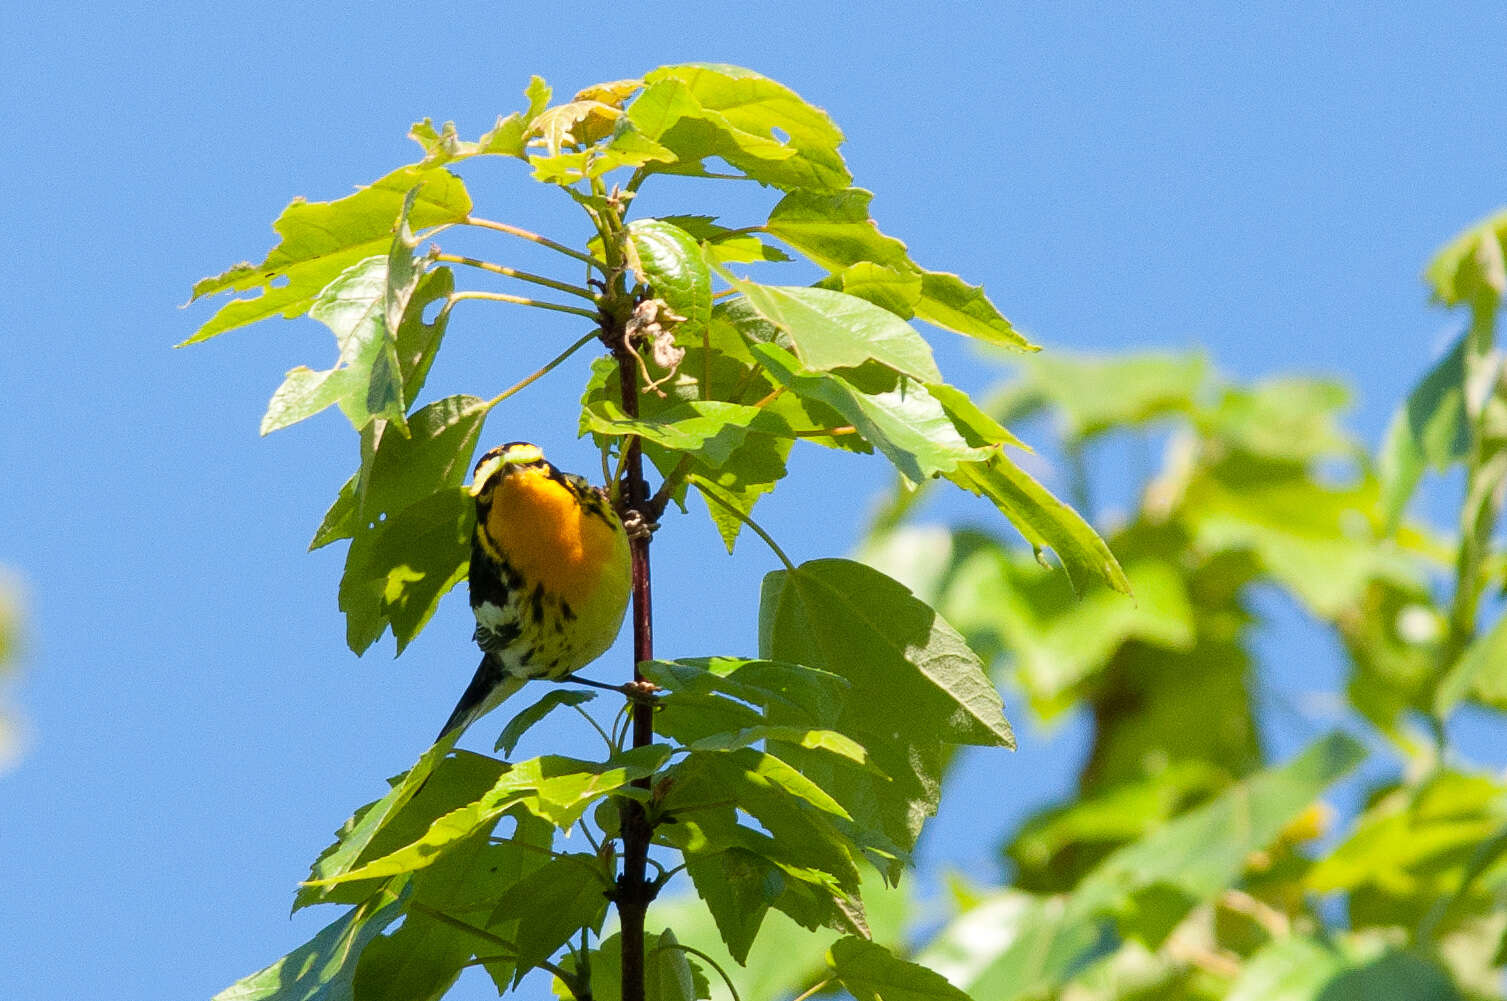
x=536, y=603
x=567, y=613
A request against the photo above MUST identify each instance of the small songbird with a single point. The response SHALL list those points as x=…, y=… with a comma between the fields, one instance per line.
x=550, y=576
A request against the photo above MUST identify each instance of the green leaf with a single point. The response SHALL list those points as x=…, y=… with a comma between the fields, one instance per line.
x=554, y=788
x=1092, y=394
x=702, y=110
x=915, y=687
x=738, y=886
x=871, y=972
x=669, y=972
x=435, y=786
x=710, y=431
x=1430, y=430
x=1413, y=848
x=1054, y=849
x=1058, y=639
x=836, y=330
x=1297, y=968
x=726, y=246
x=322, y=239
x=835, y=231
x=1470, y=265
x=1204, y=850
x=398, y=569
x=505, y=138
x=325, y=968
x=669, y=260
x=1284, y=420
x=888, y=288
x=417, y=962
x=366, y=381
x=1042, y=519
x=521, y=723
x=896, y=415
x=1481, y=672
x=551, y=905
x=1187, y=860
x=799, y=816
x=1319, y=541
x=399, y=471
x=800, y=692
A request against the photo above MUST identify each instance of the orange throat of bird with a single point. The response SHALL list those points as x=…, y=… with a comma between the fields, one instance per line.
x=543, y=531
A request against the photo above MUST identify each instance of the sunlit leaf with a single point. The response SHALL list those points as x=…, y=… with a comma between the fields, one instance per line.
x=1470, y=265
x=834, y=230
x=1413, y=848
x=703, y=110
x=1042, y=519
x=835, y=330
x=403, y=470
x=1190, y=858
x=322, y=239
x=895, y=414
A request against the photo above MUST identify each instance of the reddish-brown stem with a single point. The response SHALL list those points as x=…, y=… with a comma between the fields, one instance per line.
x=634, y=889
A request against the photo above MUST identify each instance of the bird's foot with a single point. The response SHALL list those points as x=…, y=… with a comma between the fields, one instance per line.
x=637, y=526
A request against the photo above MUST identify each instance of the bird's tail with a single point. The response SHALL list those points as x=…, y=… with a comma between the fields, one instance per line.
x=487, y=690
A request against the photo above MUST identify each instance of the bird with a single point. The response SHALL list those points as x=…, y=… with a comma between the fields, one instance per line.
x=550, y=576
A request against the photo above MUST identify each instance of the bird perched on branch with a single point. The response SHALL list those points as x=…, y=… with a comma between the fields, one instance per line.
x=550, y=576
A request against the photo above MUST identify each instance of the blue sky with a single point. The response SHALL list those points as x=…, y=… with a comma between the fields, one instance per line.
x=1267, y=182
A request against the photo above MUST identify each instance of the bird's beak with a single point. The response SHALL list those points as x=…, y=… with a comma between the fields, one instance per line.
x=484, y=473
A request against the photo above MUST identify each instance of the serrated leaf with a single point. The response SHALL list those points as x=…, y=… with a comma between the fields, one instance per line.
x=798, y=815
x=397, y=570
x=916, y=686
x=835, y=330
x=322, y=239
x=738, y=886
x=1044, y=520
x=325, y=968
x=521, y=723
x=871, y=972
x=834, y=229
